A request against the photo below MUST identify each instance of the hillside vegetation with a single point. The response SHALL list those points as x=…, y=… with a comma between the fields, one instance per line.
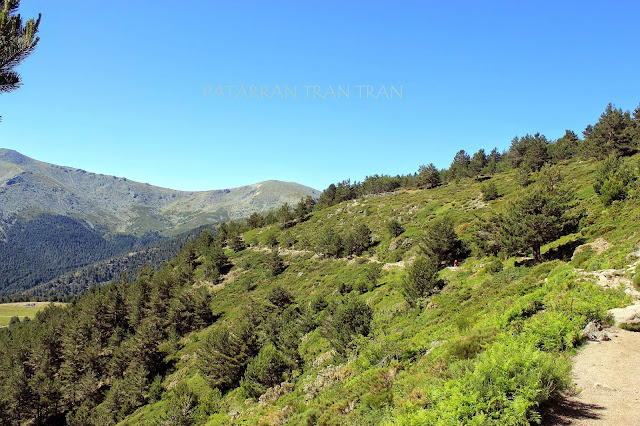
x=349, y=310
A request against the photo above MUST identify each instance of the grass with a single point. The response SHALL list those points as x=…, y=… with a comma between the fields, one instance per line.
x=459, y=357
x=21, y=310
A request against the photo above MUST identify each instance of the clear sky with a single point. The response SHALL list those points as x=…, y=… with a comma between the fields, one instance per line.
x=119, y=87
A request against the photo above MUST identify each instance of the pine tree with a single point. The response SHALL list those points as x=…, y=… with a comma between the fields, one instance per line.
x=536, y=151
x=478, y=162
x=276, y=265
x=264, y=371
x=351, y=317
x=17, y=42
x=255, y=220
x=442, y=242
x=538, y=216
x=223, y=357
x=613, y=133
x=421, y=279
x=564, y=148
x=460, y=165
x=428, y=176
x=493, y=159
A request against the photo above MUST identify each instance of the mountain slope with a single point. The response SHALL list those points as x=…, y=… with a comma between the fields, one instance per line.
x=54, y=219
x=28, y=187
x=330, y=339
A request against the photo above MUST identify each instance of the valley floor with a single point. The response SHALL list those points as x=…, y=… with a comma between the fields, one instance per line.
x=20, y=310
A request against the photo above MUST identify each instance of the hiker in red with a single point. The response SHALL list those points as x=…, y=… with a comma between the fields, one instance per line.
x=455, y=263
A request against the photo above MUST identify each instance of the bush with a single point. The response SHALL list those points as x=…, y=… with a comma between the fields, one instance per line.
x=280, y=297
x=395, y=228
x=552, y=331
x=318, y=303
x=469, y=346
x=507, y=384
x=495, y=266
x=630, y=327
x=636, y=280
x=264, y=371
x=361, y=286
x=582, y=256
x=523, y=176
x=489, y=191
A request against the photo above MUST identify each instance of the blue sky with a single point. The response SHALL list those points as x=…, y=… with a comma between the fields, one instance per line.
x=119, y=87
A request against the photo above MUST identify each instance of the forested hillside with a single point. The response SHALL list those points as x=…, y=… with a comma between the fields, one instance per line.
x=56, y=219
x=35, y=251
x=440, y=297
x=78, y=281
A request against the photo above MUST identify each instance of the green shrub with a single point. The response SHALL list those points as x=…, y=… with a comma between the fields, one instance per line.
x=636, y=279
x=264, y=371
x=361, y=286
x=495, y=266
x=630, y=327
x=552, y=331
x=508, y=384
x=351, y=317
x=489, y=191
x=469, y=346
x=318, y=303
x=581, y=257
x=395, y=228
x=421, y=279
x=280, y=297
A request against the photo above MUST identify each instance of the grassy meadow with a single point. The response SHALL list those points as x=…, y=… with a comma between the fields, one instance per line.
x=21, y=310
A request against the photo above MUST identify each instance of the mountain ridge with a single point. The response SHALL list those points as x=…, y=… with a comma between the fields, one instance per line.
x=55, y=219
x=124, y=205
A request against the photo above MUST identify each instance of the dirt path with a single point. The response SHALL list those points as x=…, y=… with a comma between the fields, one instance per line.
x=606, y=374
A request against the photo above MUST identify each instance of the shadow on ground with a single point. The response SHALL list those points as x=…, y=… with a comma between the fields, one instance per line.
x=568, y=411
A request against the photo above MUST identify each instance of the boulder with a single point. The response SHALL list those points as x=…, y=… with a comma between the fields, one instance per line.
x=594, y=332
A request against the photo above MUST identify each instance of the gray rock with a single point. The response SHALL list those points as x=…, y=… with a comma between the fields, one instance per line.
x=594, y=332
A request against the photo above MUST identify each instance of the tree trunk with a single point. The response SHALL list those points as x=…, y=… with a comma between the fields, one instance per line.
x=537, y=257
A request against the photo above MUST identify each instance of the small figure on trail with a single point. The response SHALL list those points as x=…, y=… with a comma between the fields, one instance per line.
x=455, y=263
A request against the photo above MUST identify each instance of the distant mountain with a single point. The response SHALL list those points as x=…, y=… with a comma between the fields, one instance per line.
x=29, y=187
x=54, y=219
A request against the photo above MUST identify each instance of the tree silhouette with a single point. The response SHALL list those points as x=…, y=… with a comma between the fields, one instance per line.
x=17, y=42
